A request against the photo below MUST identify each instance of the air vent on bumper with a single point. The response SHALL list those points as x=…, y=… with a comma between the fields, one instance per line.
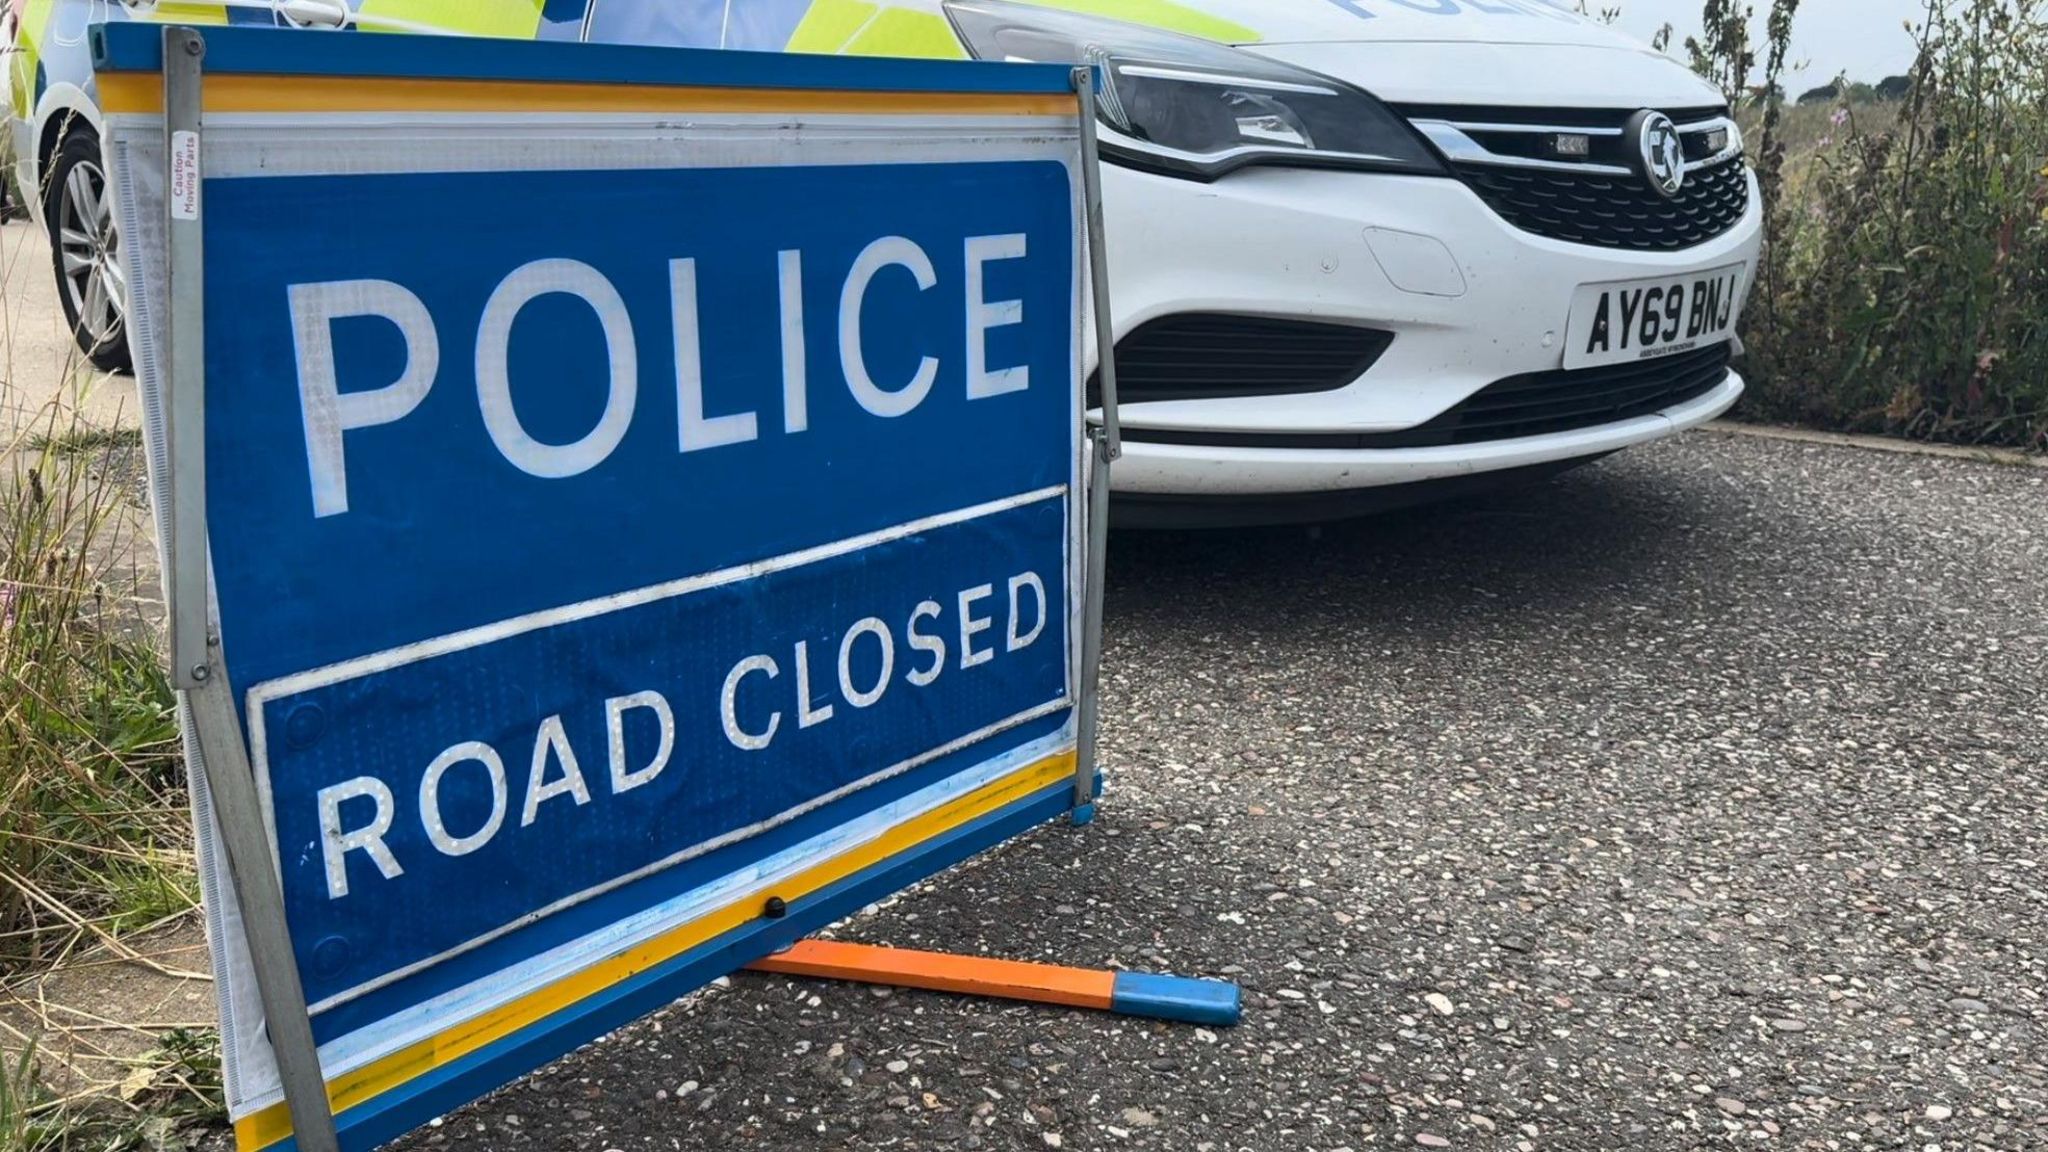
x=1208, y=355
x=1534, y=404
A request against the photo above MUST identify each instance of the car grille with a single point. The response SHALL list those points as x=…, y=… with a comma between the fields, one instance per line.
x=1536, y=404
x=1540, y=403
x=1614, y=211
x=1205, y=355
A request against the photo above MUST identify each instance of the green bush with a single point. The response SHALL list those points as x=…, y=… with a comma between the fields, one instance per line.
x=1905, y=283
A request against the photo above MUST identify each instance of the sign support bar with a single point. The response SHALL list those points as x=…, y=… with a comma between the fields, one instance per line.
x=1098, y=263
x=195, y=648
x=185, y=355
x=1106, y=444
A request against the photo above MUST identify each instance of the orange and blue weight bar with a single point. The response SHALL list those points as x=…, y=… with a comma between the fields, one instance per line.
x=1179, y=998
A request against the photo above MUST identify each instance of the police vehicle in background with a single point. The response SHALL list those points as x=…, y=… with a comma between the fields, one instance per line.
x=1363, y=252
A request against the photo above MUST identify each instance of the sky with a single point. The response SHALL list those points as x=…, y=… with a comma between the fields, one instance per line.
x=1861, y=37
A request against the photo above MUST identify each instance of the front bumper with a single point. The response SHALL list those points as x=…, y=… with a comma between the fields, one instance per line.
x=1469, y=298
x=1196, y=471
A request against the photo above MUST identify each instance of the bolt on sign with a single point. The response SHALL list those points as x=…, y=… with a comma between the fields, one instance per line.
x=643, y=498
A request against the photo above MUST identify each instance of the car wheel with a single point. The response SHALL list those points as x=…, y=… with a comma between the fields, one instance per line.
x=85, y=248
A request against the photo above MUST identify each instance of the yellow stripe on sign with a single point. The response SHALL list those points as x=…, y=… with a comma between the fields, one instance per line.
x=142, y=92
x=273, y=1124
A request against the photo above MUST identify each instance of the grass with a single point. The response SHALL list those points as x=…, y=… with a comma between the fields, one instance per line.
x=172, y=1102
x=20, y=1092
x=86, y=441
x=187, y=1088
x=94, y=831
x=95, y=837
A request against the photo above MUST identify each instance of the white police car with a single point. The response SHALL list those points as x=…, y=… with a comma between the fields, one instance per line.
x=1386, y=249
x=1362, y=251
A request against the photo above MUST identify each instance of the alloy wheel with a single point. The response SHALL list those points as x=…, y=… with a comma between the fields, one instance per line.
x=91, y=254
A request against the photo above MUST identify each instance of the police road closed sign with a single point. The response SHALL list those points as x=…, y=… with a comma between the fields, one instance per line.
x=639, y=485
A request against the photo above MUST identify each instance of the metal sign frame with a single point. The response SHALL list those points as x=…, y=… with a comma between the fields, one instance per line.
x=194, y=637
x=195, y=641
x=1106, y=443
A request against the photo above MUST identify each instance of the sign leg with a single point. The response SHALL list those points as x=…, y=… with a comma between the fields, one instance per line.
x=1085, y=762
x=254, y=873
x=196, y=667
x=1106, y=441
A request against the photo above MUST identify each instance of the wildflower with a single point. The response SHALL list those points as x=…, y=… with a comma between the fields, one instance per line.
x=1840, y=117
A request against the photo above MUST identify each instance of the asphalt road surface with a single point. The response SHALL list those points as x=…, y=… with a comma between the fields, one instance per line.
x=1692, y=800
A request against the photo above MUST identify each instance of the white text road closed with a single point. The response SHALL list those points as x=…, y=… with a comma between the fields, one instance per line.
x=604, y=760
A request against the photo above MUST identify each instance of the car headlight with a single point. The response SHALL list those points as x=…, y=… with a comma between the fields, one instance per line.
x=1189, y=107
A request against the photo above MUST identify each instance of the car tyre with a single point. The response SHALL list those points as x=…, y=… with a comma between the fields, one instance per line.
x=85, y=250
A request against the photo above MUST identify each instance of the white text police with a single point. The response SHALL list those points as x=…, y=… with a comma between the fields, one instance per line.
x=330, y=414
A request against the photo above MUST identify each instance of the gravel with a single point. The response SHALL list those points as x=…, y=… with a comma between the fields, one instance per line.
x=1692, y=800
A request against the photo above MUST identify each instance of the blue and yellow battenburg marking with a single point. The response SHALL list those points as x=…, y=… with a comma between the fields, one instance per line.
x=291, y=72
x=287, y=72
x=888, y=28
x=726, y=82
x=868, y=27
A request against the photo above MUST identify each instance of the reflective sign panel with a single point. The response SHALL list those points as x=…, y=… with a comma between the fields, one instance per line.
x=635, y=491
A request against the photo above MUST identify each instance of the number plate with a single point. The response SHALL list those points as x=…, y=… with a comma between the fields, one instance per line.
x=1628, y=320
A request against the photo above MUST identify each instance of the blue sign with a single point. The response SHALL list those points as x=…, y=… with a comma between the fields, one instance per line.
x=612, y=543
x=467, y=397
x=641, y=532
